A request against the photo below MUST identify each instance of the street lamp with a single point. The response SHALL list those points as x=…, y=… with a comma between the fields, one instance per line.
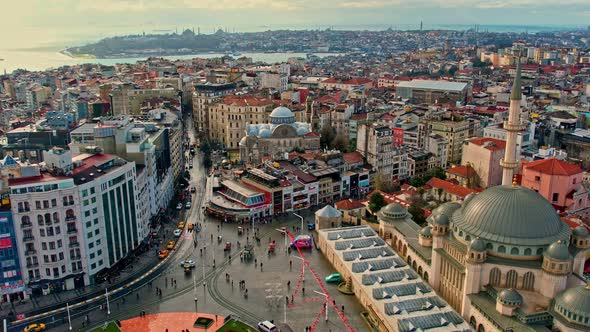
x=303, y=265
x=300, y=217
x=284, y=234
x=325, y=303
x=106, y=290
x=69, y=318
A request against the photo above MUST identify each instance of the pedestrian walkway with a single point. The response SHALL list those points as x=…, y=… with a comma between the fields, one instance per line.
x=170, y=321
x=40, y=304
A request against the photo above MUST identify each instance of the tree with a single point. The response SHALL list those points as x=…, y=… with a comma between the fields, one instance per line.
x=340, y=142
x=207, y=161
x=417, y=214
x=327, y=135
x=376, y=202
x=205, y=147
x=417, y=181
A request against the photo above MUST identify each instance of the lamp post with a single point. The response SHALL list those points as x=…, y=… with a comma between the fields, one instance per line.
x=195, y=286
x=69, y=318
x=300, y=217
x=325, y=303
x=106, y=290
x=303, y=265
x=284, y=235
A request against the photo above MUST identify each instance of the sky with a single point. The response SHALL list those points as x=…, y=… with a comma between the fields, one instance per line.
x=37, y=23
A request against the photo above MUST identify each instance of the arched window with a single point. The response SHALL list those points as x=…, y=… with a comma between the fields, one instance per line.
x=495, y=276
x=55, y=217
x=468, y=238
x=528, y=252
x=420, y=270
x=501, y=249
x=528, y=281
x=473, y=322
x=40, y=220
x=481, y=328
x=409, y=261
x=539, y=251
x=511, y=279
x=414, y=265
x=25, y=220
x=489, y=246
x=461, y=233
x=47, y=218
x=514, y=251
x=426, y=276
x=70, y=213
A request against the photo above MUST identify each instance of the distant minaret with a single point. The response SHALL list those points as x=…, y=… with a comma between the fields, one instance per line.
x=513, y=126
x=421, y=25
x=199, y=30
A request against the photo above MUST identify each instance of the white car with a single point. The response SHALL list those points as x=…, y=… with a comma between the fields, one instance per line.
x=266, y=326
x=188, y=205
x=188, y=262
x=179, y=206
x=177, y=232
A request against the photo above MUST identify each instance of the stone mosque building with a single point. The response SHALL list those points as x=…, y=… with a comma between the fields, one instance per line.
x=502, y=258
x=275, y=139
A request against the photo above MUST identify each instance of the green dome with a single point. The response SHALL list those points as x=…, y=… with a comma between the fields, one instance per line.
x=426, y=232
x=395, y=211
x=581, y=232
x=510, y=297
x=440, y=219
x=477, y=245
x=575, y=300
x=511, y=215
x=558, y=252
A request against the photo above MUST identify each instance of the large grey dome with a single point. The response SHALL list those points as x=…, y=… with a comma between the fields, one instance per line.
x=511, y=215
x=394, y=211
x=440, y=219
x=574, y=301
x=281, y=114
x=510, y=297
x=558, y=252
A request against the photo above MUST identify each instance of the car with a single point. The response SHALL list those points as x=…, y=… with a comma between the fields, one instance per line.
x=179, y=206
x=334, y=278
x=311, y=227
x=193, y=190
x=171, y=244
x=188, y=205
x=181, y=225
x=36, y=327
x=190, y=166
x=266, y=326
x=188, y=262
x=163, y=254
x=191, y=227
x=177, y=232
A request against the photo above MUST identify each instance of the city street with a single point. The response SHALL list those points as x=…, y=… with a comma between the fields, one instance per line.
x=266, y=278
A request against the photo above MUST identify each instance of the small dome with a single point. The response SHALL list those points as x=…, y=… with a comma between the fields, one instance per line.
x=446, y=208
x=477, y=244
x=265, y=133
x=558, y=251
x=395, y=211
x=280, y=115
x=302, y=131
x=441, y=220
x=328, y=211
x=243, y=141
x=581, y=232
x=510, y=297
x=426, y=232
x=575, y=300
x=252, y=130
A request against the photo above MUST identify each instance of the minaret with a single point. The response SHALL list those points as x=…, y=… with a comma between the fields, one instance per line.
x=513, y=126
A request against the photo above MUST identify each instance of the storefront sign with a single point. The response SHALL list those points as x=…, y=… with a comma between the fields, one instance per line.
x=5, y=243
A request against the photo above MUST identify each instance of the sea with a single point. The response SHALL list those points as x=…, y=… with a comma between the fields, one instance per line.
x=39, y=49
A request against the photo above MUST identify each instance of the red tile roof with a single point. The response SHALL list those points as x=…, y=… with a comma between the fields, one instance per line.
x=553, y=166
x=493, y=144
x=311, y=134
x=359, y=116
x=450, y=187
x=463, y=171
x=349, y=204
x=353, y=157
x=357, y=81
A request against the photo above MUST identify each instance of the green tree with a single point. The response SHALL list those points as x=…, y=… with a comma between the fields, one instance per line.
x=417, y=214
x=327, y=135
x=376, y=202
x=417, y=181
x=205, y=146
x=207, y=161
x=340, y=142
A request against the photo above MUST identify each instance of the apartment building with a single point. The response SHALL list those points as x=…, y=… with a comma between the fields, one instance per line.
x=205, y=95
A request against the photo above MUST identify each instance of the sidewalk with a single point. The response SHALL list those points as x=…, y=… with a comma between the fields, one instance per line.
x=40, y=304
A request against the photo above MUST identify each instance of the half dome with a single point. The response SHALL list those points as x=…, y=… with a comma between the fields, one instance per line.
x=281, y=114
x=511, y=215
x=574, y=301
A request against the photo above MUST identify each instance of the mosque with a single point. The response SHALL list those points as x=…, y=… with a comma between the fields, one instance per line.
x=275, y=139
x=502, y=258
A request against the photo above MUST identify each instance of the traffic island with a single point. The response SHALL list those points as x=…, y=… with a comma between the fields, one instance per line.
x=236, y=326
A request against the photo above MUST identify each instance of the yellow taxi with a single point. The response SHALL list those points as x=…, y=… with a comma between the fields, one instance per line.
x=162, y=254
x=35, y=327
x=171, y=244
x=181, y=225
x=191, y=227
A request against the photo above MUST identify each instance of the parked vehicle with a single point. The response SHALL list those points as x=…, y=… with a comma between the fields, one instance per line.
x=171, y=244
x=188, y=262
x=37, y=327
x=188, y=205
x=334, y=278
x=177, y=232
x=266, y=326
x=179, y=206
x=163, y=254
x=311, y=227
x=181, y=225
x=302, y=241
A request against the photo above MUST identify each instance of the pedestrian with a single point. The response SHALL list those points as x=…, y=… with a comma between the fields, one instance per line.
x=290, y=263
x=289, y=284
x=260, y=266
x=302, y=290
x=292, y=299
x=343, y=308
x=334, y=302
x=232, y=284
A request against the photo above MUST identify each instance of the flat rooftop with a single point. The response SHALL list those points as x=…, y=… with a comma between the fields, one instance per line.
x=433, y=85
x=243, y=190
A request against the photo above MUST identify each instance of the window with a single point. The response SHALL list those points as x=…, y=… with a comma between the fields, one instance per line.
x=100, y=262
x=46, y=258
x=52, y=245
x=91, y=245
x=48, y=272
x=63, y=269
x=99, y=252
x=501, y=249
x=61, y=256
x=59, y=243
x=555, y=197
x=92, y=255
x=92, y=191
x=93, y=266
x=53, y=202
x=537, y=178
x=96, y=232
x=84, y=193
x=43, y=245
x=42, y=232
x=57, y=230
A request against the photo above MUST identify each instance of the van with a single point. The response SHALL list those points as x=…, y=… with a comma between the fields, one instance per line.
x=267, y=326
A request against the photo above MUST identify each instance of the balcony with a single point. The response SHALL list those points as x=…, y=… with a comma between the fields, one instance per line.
x=70, y=218
x=26, y=225
x=72, y=230
x=30, y=252
x=28, y=238
x=74, y=244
